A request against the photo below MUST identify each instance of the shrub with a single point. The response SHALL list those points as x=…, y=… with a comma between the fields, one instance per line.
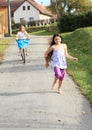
x=70, y=22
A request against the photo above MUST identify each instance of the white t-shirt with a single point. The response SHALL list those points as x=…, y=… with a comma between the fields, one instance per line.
x=21, y=35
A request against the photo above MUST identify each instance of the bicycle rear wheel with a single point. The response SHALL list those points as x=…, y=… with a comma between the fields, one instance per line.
x=23, y=55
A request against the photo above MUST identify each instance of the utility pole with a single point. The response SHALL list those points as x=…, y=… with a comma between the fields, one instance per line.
x=9, y=19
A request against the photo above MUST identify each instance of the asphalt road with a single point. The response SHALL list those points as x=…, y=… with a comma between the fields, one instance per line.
x=27, y=101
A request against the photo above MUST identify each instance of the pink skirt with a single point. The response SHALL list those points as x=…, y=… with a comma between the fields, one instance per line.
x=59, y=73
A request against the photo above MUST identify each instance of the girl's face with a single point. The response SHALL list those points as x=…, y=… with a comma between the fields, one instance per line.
x=22, y=28
x=57, y=40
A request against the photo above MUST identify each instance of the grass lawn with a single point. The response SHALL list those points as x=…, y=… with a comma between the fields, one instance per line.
x=79, y=45
x=4, y=43
x=44, y=32
x=41, y=33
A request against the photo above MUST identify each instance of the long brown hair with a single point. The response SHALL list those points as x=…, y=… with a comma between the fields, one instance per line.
x=53, y=43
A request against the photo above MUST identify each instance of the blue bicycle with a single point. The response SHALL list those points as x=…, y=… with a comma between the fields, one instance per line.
x=23, y=43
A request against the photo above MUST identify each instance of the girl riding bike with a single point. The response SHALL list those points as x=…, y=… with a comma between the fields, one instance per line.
x=22, y=35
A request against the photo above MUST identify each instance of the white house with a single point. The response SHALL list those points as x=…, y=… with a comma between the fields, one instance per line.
x=29, y=10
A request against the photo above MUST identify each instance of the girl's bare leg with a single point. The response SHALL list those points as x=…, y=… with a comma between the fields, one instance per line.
x=59, y=86
x=20, y=51
x=26, y=52
x=54, y=82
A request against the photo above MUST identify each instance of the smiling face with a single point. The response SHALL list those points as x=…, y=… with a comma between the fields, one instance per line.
x=57, y=40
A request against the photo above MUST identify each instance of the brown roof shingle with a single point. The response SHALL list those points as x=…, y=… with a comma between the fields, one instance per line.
x=3, y=3
x=15, y=4
x=41, y=8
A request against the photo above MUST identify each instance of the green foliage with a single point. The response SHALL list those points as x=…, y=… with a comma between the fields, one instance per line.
x=16, y=25
x=65, y=23
x=33, y=29
x=3, y=45
x=68, y=6
x=70, y=22
x=30, y=29
x=44, y=32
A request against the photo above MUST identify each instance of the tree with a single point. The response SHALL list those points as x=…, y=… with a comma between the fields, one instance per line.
x=70, y=6
x=55, y=7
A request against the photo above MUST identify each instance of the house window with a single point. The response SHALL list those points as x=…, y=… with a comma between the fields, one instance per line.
x=22, y=19
x=24, y=7
x=31, y=19
x=28, y=7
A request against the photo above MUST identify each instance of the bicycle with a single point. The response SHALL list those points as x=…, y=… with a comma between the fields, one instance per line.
x=23, y=43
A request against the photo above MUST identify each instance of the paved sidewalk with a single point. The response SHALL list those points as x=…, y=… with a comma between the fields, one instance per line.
x=27, y=101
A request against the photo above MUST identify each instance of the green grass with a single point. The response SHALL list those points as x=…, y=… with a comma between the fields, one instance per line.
x=4, y=43
x=44, y=33
x=50, y=29
x=41, y=33
x=80, y=45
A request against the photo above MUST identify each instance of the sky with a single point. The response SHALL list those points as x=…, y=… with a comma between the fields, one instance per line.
x=44, y=2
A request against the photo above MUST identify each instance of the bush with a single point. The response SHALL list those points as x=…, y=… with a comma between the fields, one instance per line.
x=17, y=25
x=66, y=23
x=30, y=29
x=70, y=22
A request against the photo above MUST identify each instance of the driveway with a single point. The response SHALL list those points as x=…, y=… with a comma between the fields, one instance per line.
x=27, y=101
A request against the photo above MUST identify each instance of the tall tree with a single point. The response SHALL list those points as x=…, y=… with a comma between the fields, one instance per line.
x=70, y=6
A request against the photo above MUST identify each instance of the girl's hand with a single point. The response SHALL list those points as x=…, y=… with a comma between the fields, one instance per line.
x=75, y=59
x=47, y=64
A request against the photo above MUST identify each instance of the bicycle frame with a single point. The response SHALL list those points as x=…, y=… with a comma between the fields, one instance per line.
x=23, y=43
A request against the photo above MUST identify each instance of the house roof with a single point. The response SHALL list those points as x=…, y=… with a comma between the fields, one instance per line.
x=15, y=4
x=3, y=3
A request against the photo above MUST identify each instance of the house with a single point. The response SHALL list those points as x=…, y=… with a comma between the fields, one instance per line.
x=29, y=10
x=3, y=17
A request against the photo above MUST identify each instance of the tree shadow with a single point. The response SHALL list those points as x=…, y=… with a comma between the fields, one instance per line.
x=40, y=92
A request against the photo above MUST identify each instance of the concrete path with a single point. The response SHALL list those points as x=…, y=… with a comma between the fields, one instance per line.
x=27, y=101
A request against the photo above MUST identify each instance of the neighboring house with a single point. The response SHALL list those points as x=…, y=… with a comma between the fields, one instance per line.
x=3, y=17
x=28, y=10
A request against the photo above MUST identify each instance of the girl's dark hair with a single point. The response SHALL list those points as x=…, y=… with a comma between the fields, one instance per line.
x=21, y=27
x=53, y=43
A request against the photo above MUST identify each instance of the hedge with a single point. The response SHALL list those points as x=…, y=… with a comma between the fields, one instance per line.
x=70, y=22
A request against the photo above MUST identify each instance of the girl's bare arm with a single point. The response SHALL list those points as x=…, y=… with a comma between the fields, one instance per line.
x=28, y=36
x=68, y=55
x=46, y=54
x=48, y=51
